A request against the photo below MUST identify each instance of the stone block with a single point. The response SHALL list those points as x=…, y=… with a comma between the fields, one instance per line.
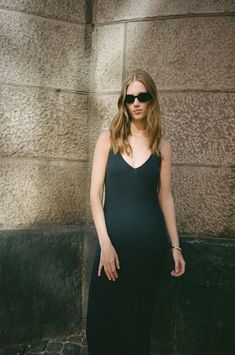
x=40, y=275
x=106, y=58
x=203, y=199
x=43, y=123
x=89, y=220
x=209, y=262
x=185, y=53
x=116, y=10
x=199, y=126
x=71, y=349
x=102, y=109
x=194, y=314
x=205, y=320
x=36, y=193
x=68, y=11
x=42, y=52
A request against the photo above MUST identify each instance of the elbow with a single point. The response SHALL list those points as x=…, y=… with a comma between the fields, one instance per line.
x=165, y=198
x=95, y=195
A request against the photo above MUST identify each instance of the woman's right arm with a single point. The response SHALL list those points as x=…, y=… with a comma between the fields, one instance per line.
x=109, y=258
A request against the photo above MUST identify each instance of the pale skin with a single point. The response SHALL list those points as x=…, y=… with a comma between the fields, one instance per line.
x=139, y=142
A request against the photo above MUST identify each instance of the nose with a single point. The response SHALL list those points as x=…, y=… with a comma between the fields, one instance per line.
x=136, y=102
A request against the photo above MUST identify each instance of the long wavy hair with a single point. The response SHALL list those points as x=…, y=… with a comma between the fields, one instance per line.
x=120, y=125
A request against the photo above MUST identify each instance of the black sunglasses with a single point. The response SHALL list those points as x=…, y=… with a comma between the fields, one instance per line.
x=142, y=97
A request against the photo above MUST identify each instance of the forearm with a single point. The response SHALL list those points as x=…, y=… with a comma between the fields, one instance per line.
x=168, y=210
x=99, y=220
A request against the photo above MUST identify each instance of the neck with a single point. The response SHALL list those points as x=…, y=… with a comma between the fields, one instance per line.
x=138, y=128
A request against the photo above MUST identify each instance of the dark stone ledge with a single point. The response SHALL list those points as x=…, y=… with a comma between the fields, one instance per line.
x=41, y=282
x=195, y=313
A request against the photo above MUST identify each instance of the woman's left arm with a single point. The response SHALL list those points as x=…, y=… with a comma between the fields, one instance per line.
x=167, y=206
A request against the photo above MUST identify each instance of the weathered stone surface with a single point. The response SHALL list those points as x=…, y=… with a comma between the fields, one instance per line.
x=200, y=127
x=115, y=10
x=41, y=290
x=210, y=262
x=205, y=320
x=43, y=52
x=102, y=109
x=37, y=345
x=54, y=346
x=203, y=199
x=71, y=349
x=68, y=11
x=13, y=350
x=106, y=58
x=42, y=123
x=35, y=193
x=88, y=218
x=184, y=53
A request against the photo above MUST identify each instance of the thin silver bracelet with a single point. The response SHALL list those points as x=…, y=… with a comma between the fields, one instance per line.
x=175, y=247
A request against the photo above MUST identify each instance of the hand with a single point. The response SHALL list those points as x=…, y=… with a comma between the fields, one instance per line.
x=179, y=263
x=109, y=260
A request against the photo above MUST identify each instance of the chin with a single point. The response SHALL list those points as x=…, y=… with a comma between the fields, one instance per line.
x=143, y=118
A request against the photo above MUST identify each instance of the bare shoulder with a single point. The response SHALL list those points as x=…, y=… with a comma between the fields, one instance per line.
x=104, y=139
x=165, y=148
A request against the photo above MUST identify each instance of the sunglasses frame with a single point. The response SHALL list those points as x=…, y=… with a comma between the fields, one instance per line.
x=142, y=97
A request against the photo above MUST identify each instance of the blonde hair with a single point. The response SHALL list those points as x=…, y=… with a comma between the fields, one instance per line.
x=120, y=125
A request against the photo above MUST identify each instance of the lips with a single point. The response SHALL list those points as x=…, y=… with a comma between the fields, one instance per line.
x=136, y=112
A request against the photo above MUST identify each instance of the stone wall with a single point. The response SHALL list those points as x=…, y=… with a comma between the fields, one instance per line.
x=43, y=166
x=43, y=113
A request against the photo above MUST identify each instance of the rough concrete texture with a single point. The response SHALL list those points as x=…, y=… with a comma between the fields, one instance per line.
x=106, y=58
x=117, y=10
x=43, y=52
x=68, y=11
x=204, y=199
x=36, y=193
x=200, y=127
x=64, y=345
x=184, y=53
x=102, y=109
x=42, y=123
x=41, y=282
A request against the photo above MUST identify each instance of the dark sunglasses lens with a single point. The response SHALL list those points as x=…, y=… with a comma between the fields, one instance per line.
x=129, y=99
x=145, y=96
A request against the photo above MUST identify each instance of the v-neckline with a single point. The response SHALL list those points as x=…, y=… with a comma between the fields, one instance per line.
x=138, y=167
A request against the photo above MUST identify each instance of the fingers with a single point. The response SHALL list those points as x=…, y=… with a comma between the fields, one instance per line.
x=179, y=268
x=110, y=269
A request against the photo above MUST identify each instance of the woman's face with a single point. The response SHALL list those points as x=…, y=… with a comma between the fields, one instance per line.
x=137, y=110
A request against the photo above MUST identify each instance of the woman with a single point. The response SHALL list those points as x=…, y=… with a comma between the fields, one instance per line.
x=132, y=161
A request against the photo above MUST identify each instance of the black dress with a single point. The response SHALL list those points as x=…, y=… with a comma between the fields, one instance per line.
x=119, y=313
